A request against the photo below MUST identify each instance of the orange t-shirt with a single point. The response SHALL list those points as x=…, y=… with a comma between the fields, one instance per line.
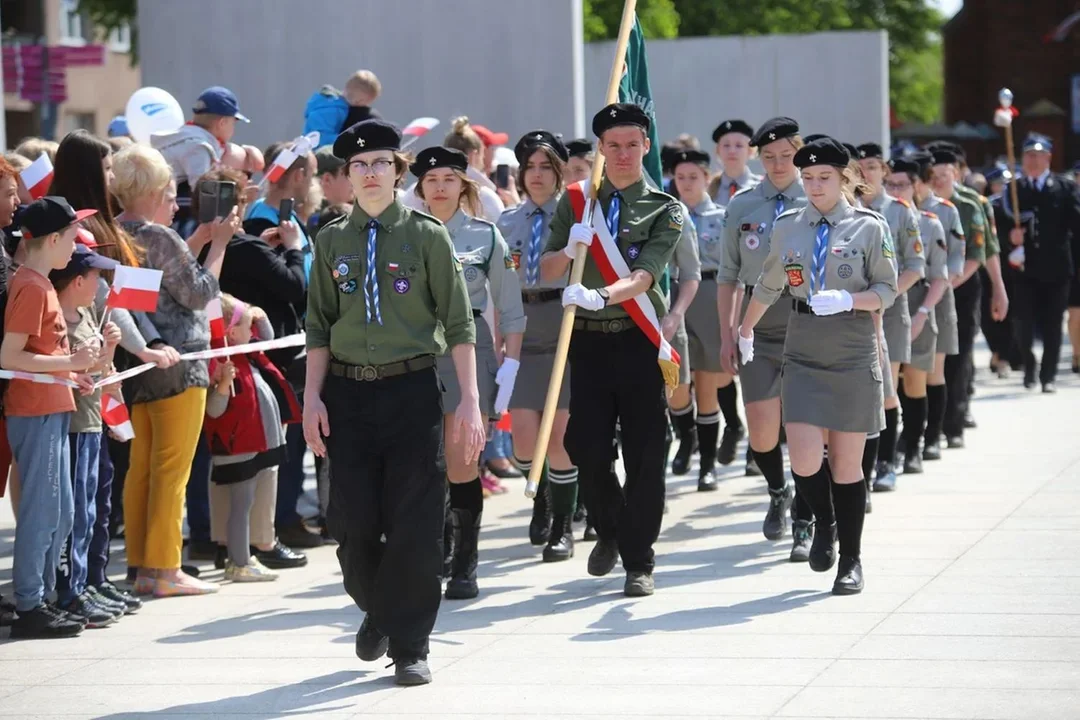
x=34, y=309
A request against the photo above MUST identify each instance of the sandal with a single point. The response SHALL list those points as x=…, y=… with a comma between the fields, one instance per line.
x=180, y=585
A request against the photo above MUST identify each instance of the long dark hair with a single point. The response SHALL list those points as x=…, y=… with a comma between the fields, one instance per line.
x=79, y=177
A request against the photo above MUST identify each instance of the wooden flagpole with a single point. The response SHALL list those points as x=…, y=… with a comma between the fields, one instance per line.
x=1005, y=97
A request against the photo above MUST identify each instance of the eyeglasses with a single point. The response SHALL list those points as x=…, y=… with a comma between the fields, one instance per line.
x=897, y=186
x=378, y=167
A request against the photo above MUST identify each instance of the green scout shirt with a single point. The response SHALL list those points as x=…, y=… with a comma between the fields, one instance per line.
x=993, y=246
x=974, y=222
x=650, y=224
x=421, y=285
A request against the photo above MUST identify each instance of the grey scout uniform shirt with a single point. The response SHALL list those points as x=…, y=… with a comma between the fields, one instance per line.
x=516, y=225
x=904, y=227
x=482, y=251
x=859, y=258
x=744, y=181
x=937, y=254
x=708, y=220
x=686, y=264
x=748, y=228
x=954, y=230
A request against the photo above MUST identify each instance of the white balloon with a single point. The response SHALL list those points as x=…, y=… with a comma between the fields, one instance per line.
x=152, y=110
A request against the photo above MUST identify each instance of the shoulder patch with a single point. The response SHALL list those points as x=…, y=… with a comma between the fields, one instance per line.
x=983, y=199
x=508, y=261
x=927, y=213
x=675, y=216
x=947, y=203
x=903, y=202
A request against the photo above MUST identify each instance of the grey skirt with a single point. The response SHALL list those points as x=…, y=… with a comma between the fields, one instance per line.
x=897, y=324
x=486, y=368
x=832, y=378
x=538, y=357
x=948, y=340
x=887, y=387
x=703, y=329
x=760, y=379
x=924, y=346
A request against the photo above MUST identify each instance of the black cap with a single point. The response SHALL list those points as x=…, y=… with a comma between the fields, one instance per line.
x=439, y=157
x=367, y=136
x=691, y=156
x=870, y=150
x=668, y=152
x=852, y=151
x=949, y=146
x=906, y=164
x=943, y=155
x=823, y=151
x=530, y=141
x=48, y=215
x=579, y=148
x=774, y=129
x=83, y=260
x=326, y=161
x=923, y=158
x=813, y=137
x=729, y=126
x=620, y=114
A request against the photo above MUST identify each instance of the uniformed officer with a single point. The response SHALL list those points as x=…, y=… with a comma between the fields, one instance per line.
x=541, y=157
x=733, y=150
x=911, y=268
x=835, y=259
x=384, y=280
x=454, y=198
x=1050, y=226
x=747, y=233
x=579, y=160
x=615, y=374
x=905, y=183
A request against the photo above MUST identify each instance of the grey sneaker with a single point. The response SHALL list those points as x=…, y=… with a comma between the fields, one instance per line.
x=801, y=535
x=639, y=584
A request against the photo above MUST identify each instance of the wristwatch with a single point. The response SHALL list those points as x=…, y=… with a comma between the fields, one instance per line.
x=603, y=292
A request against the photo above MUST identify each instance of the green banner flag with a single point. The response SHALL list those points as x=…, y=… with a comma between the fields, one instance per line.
x=634, y=88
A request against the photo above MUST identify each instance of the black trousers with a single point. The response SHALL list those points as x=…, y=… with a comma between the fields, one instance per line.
x=615, y=377
x=999, y=335
x=1040, y=306
x=388, y=478
x=958, y=368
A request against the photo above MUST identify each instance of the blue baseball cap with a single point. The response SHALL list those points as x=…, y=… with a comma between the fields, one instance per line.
x=1035, y=142
x=219, y=101
x=118, y=127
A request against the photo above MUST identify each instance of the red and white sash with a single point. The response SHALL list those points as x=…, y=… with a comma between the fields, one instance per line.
x=605, y=253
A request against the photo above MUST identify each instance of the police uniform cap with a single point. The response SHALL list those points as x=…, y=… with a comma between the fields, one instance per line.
x=732, y=126
x=870, y=150
x=530, y=141
x=774, y=129
x=823, y=151
x=690, y=156
x=579, y=147
x=367, y=136
x=437, y=157
x=1035, y=142
x=618, y=114
x=905, y=165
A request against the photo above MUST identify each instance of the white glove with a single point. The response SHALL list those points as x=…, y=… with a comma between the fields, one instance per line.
x=746, y=346
x=505, y=380
x=580, y=234
x=1016, y=257
x=831, y=302
x=583, y=297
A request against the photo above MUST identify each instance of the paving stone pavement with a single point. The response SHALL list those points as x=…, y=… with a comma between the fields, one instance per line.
x=970, y=611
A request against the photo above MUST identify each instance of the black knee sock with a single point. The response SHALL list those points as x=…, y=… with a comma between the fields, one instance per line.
x=729, y=404
x=815, y=492
x=870, y=453
x=467, y=496
x=850, y=501
x=771, y=463
x=708, y=432
x=887, y=445
x=935, y=412
x=914, y=424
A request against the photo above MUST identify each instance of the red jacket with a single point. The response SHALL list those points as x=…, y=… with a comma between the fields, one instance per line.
x=239, y=430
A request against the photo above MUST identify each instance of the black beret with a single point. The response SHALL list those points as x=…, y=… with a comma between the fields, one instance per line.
x=923, y=158
x=813, y=137
x=532, y=140
x=620, y=114
x=439, y=157
x=905, y=165
x=775, y=129
x=579, y=148
x=667, y=156
x=367, y=136
x=944, y=155
x=730, y=126
x=691, y=156
x=823, y=151
x=947, y=145
x=870, y=150
x=852, y=151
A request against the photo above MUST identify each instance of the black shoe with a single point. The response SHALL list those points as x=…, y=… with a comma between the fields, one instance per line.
x=540, y=525
x=885, y=480
x=802, y=531
x=956, y=443
x=752, y=469
x=411, y=671
x=7, y=612
x=1029, y=382
x=932, y=451
x=462, y=583
x=1076, y=366
x=190, y=570
x=639, y=584
x=506, y=472
x=688, y=445
x=43, y=622
x=131, y=603
x=603, y=557
x=1049, y=388
x=299, y=535
x=579, y=511
x=96, y=617
x=114, y=608
x=849, y=579
x=729, y=443
x=561, y=543
x=324, y=532
x=370, y=643
x=776, y=519
x=969, y=421
x=201, y=550
x=823, y=549
x=280, y=557
x=220, y=557
x=706, y=482
x=590, y=532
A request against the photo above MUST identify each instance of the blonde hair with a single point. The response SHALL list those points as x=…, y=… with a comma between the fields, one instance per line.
x=16, y=161
x=469, y=201
x=140, y=171
x=852, y=185
x=462, y=137
x=33, y=148
x=362, y=83
x=119, y=143
x=229, y=304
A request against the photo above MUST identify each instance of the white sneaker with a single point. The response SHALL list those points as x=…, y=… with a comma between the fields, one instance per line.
x=254, y=571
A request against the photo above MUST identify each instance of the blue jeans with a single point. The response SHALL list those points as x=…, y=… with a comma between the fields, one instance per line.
x=291, y=477
x=198, y=493
x=98, y=553
x=498, y=446
x=71, y=572
x=46, y=512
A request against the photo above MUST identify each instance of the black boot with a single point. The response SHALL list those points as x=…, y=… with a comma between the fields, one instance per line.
x=708, y=432
x=686, y=432
x=823, y=549
x=540, y=525
x=462, y=582
x=849, y=578
x=775, y=525
x=561, y=543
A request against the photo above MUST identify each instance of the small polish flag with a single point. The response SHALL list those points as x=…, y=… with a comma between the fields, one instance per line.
x=115, y=415
x=217, y=320
x=420, y=126
x=392, y=267
x=282, y=163
x=135, y=289
x=38, y=177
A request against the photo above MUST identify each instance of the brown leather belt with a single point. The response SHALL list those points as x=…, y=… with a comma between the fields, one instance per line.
x=371, y=373
x=604, y=326
x=530, y=297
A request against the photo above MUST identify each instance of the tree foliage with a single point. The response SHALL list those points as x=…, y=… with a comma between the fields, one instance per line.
x=659, y=18
x=111, y=15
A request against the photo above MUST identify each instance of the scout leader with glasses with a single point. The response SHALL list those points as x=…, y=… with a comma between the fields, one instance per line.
x=836, y=260
x=384, y=280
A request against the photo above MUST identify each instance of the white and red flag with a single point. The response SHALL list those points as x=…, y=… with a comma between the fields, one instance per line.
x=115, y=414
x=417, y=129
x=38, y=176
x=135, y=289
x=217, y=320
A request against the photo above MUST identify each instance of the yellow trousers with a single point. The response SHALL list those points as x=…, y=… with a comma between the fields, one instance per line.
x=166, y=435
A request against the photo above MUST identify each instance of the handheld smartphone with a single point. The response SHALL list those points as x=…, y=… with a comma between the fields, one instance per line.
x=502, y=176
x=216, y=199
x=285, y=210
